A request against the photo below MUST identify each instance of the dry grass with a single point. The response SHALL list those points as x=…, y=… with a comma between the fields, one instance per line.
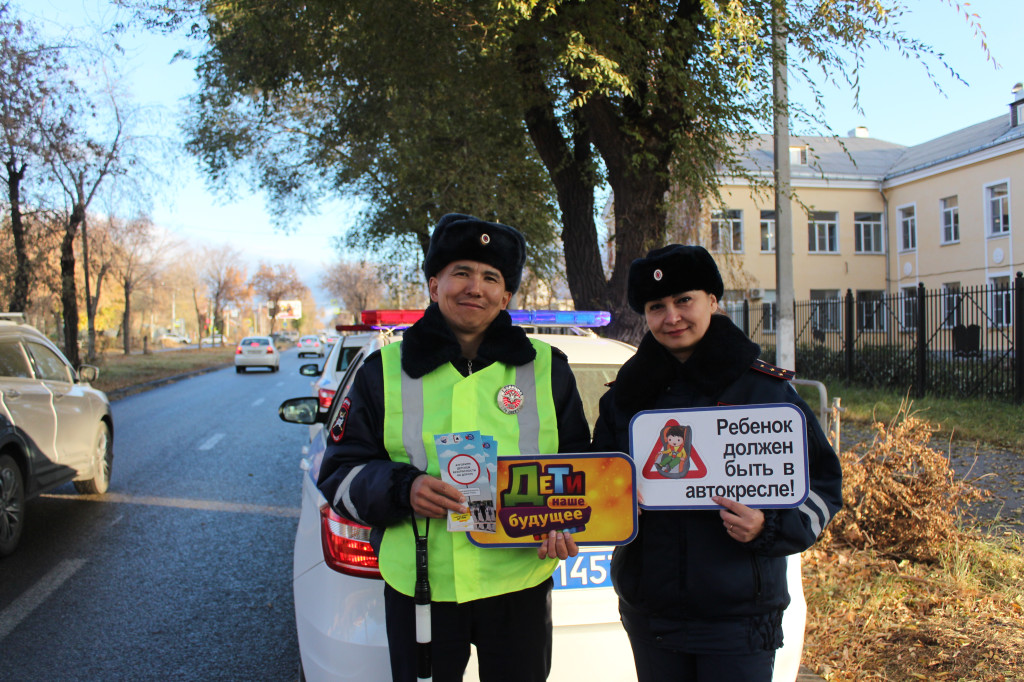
x=898, y=588
x=118, y=371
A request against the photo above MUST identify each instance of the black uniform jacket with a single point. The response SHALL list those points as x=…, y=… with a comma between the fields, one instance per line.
x=377, y=493
x=683, y=581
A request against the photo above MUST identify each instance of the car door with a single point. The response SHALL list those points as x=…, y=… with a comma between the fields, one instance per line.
x=76, y=424
x=28, y=404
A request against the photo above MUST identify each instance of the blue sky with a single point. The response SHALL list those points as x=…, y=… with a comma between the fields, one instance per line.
x=900, y=105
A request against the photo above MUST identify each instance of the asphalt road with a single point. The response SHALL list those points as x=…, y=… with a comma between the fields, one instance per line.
x=183, y=570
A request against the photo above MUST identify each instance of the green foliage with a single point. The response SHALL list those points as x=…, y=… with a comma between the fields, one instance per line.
x=515, y=110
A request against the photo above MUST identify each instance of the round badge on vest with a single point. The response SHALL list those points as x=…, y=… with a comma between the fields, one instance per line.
x=510, y=399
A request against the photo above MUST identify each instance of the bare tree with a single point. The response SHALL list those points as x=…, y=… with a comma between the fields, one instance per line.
x=33, y=95
x=101, y=245
x=142, y=252
x=224, y=275
x=276, y=283
x=357, y=284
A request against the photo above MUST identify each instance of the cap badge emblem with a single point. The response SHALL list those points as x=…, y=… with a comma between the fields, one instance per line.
x=485, y=239
x=510, y=399
x=658, y=275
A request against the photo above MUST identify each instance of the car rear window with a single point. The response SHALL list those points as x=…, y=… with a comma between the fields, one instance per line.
x=255, y=342
x=12, y=361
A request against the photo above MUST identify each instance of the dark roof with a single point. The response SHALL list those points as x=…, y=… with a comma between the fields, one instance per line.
x=827, y=156
x=877, y=159
x=956, y=144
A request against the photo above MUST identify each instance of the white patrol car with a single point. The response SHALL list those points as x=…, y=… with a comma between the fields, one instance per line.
x=338, y=591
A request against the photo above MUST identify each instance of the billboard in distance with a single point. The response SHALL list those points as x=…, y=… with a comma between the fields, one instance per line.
x=286, y=310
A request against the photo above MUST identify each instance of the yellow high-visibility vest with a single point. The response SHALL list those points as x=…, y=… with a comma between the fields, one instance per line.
x=444, y=401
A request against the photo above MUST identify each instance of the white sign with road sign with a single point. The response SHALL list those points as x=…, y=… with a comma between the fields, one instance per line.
x=753, y=454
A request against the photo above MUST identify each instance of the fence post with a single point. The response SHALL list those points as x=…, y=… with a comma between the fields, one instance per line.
x=746, y=318
x=922, y=370
x=848, y=304
x=1018, y=337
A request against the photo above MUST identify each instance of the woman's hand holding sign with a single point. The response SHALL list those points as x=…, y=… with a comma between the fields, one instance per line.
x=742, y=523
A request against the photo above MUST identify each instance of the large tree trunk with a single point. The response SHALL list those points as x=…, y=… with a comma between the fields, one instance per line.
x=126, y=318
x=68, y=287
x=22, y=270
x=570, y=167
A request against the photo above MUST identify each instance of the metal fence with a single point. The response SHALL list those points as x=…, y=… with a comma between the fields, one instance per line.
x=956, y=343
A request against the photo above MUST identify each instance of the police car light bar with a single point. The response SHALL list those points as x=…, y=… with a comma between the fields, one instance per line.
x=353, y=328
x=562, y=318
x=391, y=318
x=539, y=318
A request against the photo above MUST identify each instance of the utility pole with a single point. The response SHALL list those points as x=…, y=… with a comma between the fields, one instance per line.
x=785, y=336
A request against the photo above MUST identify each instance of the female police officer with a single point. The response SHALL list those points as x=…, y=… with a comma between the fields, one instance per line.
x=701, y=593
x=450, y=373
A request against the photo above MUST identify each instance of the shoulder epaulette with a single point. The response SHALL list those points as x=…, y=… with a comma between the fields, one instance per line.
x=772, y=371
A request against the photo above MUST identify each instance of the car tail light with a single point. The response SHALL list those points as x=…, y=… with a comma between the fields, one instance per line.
x=270, y=349
x=347, y=545
x=238, y=351
x=326, y=397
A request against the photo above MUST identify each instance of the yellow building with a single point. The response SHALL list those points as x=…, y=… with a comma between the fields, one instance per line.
x=879, y=218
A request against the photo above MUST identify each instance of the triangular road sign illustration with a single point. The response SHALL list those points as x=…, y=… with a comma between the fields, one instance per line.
x=651, y=470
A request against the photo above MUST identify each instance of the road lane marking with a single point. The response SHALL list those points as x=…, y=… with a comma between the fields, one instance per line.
x=181, y=503
x=30, y=600
x=258, y=402
x=211, y=441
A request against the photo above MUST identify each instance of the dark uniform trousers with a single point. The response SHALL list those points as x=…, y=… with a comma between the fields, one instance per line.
x=656, y=663
x=512, y=634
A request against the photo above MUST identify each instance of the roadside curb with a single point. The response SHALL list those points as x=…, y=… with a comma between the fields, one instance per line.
x=120, y=393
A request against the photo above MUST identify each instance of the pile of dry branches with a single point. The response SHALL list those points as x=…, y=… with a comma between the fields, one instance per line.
x=900, y=496
x=897, y=589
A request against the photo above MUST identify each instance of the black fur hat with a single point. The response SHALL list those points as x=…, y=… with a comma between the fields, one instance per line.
x=463, y=237
x=671, y=270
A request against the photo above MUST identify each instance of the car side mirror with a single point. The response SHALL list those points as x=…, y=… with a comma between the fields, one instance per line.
x=88, y=373
x=301, y=411
x=311, y=370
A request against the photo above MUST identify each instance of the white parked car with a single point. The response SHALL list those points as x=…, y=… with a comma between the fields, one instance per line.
x=339, y=593
x=257, y=351
x=54, y=426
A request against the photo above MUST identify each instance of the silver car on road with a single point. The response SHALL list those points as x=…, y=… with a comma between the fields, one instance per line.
x=54, y=426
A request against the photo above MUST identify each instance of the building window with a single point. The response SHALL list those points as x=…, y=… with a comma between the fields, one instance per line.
x=999, y=209
x=769, y=312
x=767, y=231
x=1002, y=301
x=950, y=220
x=826, y=309
x=727, y=231
x=951, y=304
x=908, y=308
x=867, y=232
x=908, y=229
x=798, y=156
x=871, y=311
x=823, y=232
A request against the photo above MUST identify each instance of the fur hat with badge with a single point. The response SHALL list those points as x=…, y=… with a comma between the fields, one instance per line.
x=463, y=237
x=671, y=270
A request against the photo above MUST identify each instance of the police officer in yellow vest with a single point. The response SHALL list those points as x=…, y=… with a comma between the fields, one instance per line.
x=452, y=372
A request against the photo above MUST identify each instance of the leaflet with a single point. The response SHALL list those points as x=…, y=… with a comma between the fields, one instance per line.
x=468, y=461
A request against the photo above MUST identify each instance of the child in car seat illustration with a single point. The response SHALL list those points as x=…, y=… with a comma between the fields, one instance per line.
x=674, y=458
